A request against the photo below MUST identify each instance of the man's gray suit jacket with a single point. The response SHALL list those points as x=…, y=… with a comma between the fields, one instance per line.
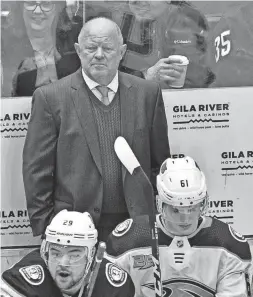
x=61, y=157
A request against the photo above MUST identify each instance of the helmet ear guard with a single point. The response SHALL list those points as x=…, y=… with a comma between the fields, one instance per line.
x=44, y=251
x=181, y=183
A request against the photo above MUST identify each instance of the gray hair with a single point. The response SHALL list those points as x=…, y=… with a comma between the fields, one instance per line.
x=83, y=30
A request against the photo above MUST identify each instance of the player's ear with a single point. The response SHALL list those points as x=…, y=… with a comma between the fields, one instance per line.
x=123, y=49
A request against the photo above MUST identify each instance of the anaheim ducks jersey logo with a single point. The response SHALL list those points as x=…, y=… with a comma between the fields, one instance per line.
x=115, y=275
x=238, y=236
x=33, y=274
x=180, y=287
x=122, y=228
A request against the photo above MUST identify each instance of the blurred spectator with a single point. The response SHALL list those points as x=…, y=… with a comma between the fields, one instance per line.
x=69, y=26
x=154, y=30
x=186, y=34
x=231, y=48
x=51, y=59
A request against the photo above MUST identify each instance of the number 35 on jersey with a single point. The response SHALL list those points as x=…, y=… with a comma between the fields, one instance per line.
x=222, y=45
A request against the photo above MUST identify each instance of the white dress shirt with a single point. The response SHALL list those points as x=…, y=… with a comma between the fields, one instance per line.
x=113, y=86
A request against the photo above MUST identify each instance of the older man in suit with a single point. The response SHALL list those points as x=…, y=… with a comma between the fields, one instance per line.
x=69, y=160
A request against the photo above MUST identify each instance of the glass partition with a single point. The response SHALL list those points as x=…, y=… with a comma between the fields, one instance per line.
x=37, y=41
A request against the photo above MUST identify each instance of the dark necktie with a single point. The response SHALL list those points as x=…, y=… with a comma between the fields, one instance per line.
x=104, y=92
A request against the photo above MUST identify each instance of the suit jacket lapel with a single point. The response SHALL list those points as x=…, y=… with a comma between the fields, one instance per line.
x=85, y=114
x=127, y=103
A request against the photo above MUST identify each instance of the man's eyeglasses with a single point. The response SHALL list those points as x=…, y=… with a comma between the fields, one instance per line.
x=45, y=6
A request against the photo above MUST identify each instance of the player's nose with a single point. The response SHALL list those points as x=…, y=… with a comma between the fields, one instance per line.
x=64, y=260
x=184, y=217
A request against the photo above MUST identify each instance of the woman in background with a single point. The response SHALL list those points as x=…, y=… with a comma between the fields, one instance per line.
x=45, y=22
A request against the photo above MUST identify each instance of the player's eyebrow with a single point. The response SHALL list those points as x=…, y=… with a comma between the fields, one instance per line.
x=75, y=250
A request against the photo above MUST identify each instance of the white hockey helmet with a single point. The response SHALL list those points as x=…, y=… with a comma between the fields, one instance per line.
x=181, y=183
x=71, y=228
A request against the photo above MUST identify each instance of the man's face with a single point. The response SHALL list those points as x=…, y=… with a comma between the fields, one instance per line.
x=100, y=51
x=67, y=264
x=181, y=221
x=148, y=9
x=39, y=15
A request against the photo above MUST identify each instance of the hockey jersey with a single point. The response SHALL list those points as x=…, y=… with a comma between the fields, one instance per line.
x=213, y=261
x=181, y=29
x=231, y=48
x=31, y=278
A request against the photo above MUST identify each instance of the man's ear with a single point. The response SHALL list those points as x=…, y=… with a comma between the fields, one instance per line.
x=77, y=48
x=123, y=50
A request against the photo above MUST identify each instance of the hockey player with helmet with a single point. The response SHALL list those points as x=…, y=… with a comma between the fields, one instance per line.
x=231, y=50
x=199, y=255
x=62, y=266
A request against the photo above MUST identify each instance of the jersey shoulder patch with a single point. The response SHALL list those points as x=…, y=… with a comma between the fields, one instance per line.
x=115, y=275
x=33, y=274
x=122, y=228
x=236, y=234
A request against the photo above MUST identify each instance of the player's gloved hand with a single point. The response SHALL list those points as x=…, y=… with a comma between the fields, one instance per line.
x=164, y=70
